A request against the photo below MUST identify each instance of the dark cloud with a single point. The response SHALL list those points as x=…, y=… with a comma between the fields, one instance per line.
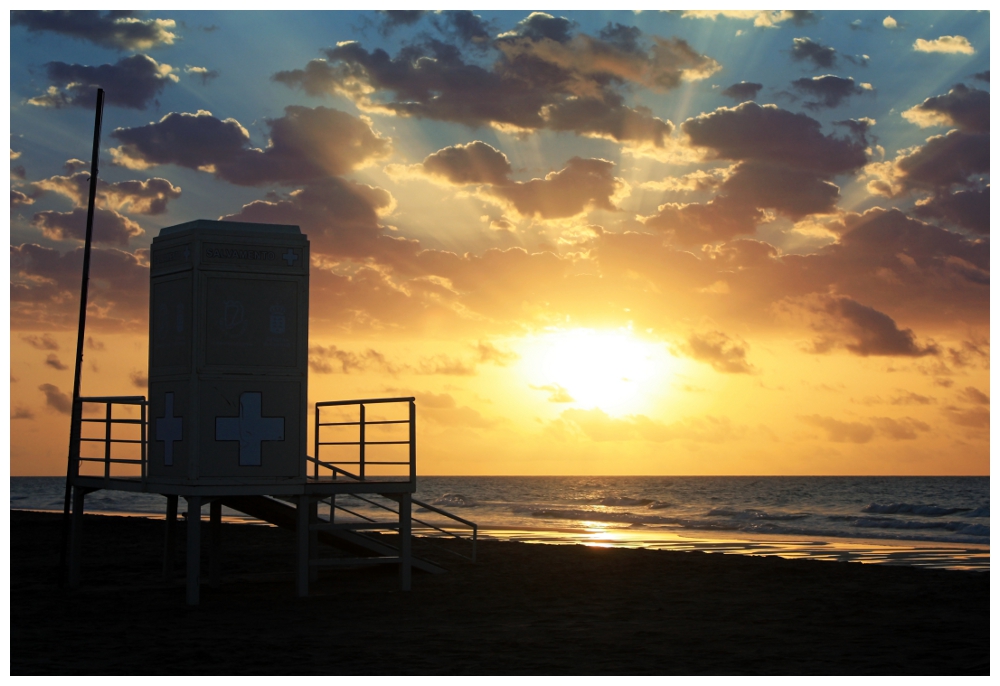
x=784, y=162
x=543, y=78
x=865, y=331
x=725, y=354
x=475, y=162
x=904, y=429
x=203, y=73
x=966, y=108
x=975, y=418
x=982, y=76
x=139, y=379
x=340, y=217
x=975, y=396
x=742, y=91
x=827, y=91
x=969, y=210
x=392, y=19
x=464, y=25
x=56, y=399
x=119, y=30
x=52, y=360
x=807, y=49
x=841, y=432
x=45, y=289
x=21, y=412
x=137, y=197
x=305, y=144
x=110, y=228
x=582, y=185
x=19, y=199
x=945, y=161
x=94, y=344
x=43, y=342
x=331, y=359
x=132, y=82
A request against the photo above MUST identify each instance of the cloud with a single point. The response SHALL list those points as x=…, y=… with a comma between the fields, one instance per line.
x=911, y=398
x=487, y=352
x=331, y=359
x=52, y=360
x=582, y=185
x=725, y=354
x=890, y=23
x=305, y=144
x=828, y=90
x=945, y=44
x=543, y=77
x=982, y=76
x=138, y=197
x=841, y=432
x=56, y=399
x=975, y=418
x=968, y=210
x=21, y=412
x=392, y=19
x=465, y=26
x=132, y=82
x=45, y=289
x=783, y=162
x=904, y=429
x=967, y=109
x=43, y=342
x=862, y=330
x=203, y=73
x=973, y=395
x=742, y=91
x=767, y=18
x=557, y=394
x=19, y=199
x=472, y=163
x=110, y=227
x=820, y=55
x=118, y=30
x=94, y=344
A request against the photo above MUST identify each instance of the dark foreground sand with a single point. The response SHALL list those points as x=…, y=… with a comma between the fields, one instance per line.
x=523, y=609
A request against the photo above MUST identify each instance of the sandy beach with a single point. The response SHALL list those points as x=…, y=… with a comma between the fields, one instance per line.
x=522, y=609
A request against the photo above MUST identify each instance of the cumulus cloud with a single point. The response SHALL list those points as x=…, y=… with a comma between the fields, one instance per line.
x=975, y=418
x=304, y=145
x=582, y=185
x=891, y=23
x=45, y=289
x=544, y=77
x=725, y=354
x=43, y=342
x=783, y=162
x=203, y=73
x=139, y=379
x=472, y=163
x=841, y=432
x=767, y=18
x=971, y=394
x=18, y=199
x=132, y=82
x=861, y=330
x=392, y=19
x=137, y=197
x=982, y=76
x=110, y=227
x=902, y=429
x=52, y=360
x=331, y=359
x=21, y=412
x=828, y=90
x=806, y=49
x=742, y=91
x=119, y=30
x=965, y=108
x=946, y=44
x=56, y=399
x=968, y=210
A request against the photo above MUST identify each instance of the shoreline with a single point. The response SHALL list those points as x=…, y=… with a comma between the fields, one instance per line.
x=888, y=551
x=522, y=609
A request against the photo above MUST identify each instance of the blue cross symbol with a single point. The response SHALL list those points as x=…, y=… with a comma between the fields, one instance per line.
x=290, y=257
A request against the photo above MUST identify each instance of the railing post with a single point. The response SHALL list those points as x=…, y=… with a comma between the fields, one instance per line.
x=142, y=441
x=107, y=441
x=316, y=448
x=413, y=442
x=361, y=457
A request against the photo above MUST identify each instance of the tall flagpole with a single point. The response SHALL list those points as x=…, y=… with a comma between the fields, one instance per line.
x=73, y=465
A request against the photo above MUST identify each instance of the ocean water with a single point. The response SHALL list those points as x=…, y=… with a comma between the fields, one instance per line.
x=928, y=521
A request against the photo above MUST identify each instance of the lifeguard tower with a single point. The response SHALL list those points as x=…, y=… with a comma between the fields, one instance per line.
x=225, y=422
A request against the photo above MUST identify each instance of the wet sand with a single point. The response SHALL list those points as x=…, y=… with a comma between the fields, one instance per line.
x=522, y=609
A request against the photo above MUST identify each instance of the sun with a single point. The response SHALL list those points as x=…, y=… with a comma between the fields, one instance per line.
x=610, y=369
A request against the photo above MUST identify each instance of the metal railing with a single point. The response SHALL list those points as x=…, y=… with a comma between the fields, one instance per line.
x=429, y=526
x=336, y=466
x=110, y=437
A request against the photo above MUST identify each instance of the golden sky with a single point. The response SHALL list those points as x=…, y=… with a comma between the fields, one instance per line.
x=587, y=242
